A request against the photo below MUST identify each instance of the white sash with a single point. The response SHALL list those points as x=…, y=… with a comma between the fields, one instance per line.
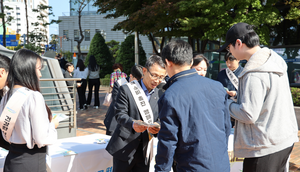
x=233, y=79
x=11, y=111
x=145, y=110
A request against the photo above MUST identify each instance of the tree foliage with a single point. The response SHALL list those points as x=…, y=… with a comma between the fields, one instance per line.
x=38, y=34
x=126, y=54
x=198, y=19
x=113, y=46
x=99, y=49
x=5, y=20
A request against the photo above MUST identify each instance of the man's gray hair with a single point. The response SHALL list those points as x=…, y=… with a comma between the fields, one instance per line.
x=154, y=59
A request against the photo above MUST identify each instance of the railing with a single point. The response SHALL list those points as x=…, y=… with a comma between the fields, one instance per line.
x=60, y=100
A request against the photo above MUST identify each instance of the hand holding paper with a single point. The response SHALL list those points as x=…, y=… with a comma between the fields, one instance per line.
x=154, y=128
x=139, y=126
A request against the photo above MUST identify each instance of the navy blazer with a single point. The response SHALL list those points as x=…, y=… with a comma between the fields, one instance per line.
x=125, y=141
x=195, y=125
x=223, y=78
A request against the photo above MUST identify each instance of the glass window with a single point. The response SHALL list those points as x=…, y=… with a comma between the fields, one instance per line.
x=87, y=34
x=17, y=8
x=18, y=19
x=8, y=14
x=18, y=13
x=51, y=99
x=76, y=34
x=98, y=31
x=18, y=24
x=66, y=33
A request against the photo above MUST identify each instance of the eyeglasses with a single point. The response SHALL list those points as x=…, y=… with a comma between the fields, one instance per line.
x=155, y=76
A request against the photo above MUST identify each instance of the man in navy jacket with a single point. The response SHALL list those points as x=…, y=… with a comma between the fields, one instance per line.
x=195, y=122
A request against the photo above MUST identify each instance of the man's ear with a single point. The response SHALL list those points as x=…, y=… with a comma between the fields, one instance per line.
x=168, y=63
x=1, y=72
x=239, y=43
x=144, y=71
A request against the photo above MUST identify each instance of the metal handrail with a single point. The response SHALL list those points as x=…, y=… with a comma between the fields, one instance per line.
x=66, y=103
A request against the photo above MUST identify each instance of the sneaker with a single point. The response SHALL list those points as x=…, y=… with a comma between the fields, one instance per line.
x=81, y=109
x=85, y=106
x=96, y=107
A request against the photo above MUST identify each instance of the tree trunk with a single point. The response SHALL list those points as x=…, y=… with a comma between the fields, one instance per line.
x=203, y=45
x=198, y=45
x=3, y=25
x=153, y=45
x=80, y=31
x=27, y=26
x=162, y=44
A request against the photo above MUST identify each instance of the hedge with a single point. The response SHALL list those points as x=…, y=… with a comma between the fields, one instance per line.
x=105, y=81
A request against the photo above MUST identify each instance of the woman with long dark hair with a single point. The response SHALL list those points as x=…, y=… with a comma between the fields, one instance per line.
x=200, y=63
x=33, y=129
x=94, y=81
x=81, y=72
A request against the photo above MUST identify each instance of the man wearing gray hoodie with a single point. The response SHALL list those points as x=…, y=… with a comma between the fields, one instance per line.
x=266, y=127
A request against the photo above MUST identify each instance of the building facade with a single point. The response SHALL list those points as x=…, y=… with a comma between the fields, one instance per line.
x=91, y=23
x=18, y=24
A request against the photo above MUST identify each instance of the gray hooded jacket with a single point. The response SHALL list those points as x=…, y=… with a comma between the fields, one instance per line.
x=264, y=112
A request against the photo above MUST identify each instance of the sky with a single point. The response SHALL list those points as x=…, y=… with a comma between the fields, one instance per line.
x=58, y=8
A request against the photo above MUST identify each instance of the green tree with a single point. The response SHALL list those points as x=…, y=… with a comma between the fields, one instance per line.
x=99, y=49
x=5, y=20
x=197, y=19
x=113, y=46
x=39, y=34
x=126, y=54
x=81, y=5
x=33, y=47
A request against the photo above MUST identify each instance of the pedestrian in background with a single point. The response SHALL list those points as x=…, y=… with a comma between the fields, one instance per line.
x=94, y=81
x=117, y=74
x=81, y=72
x=68, y=74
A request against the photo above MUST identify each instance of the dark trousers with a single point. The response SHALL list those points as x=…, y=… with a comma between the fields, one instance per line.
x=136, y=165
x=275, y=162
x=20, y=158
x=92, y=83
x=81, y=93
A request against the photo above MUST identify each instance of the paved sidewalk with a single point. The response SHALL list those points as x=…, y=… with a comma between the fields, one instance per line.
x=91, y=121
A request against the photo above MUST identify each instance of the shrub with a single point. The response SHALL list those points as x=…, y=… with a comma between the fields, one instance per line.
x=105, y=81
x=296, y=96
x=125, y=55
x=99, y=49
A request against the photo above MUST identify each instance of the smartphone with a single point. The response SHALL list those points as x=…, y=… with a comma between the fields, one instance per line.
x=226, y=89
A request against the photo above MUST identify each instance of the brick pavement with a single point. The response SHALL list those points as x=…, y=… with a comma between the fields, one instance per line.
x=91, y=121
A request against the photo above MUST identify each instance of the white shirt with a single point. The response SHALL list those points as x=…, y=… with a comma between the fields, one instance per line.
x=32, y=126
x=81, y=74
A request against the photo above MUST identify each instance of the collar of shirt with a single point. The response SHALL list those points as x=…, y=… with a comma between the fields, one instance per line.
x=146, y=91
x=178, y=76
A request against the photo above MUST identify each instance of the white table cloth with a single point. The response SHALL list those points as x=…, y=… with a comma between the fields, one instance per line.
x=90, y=157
